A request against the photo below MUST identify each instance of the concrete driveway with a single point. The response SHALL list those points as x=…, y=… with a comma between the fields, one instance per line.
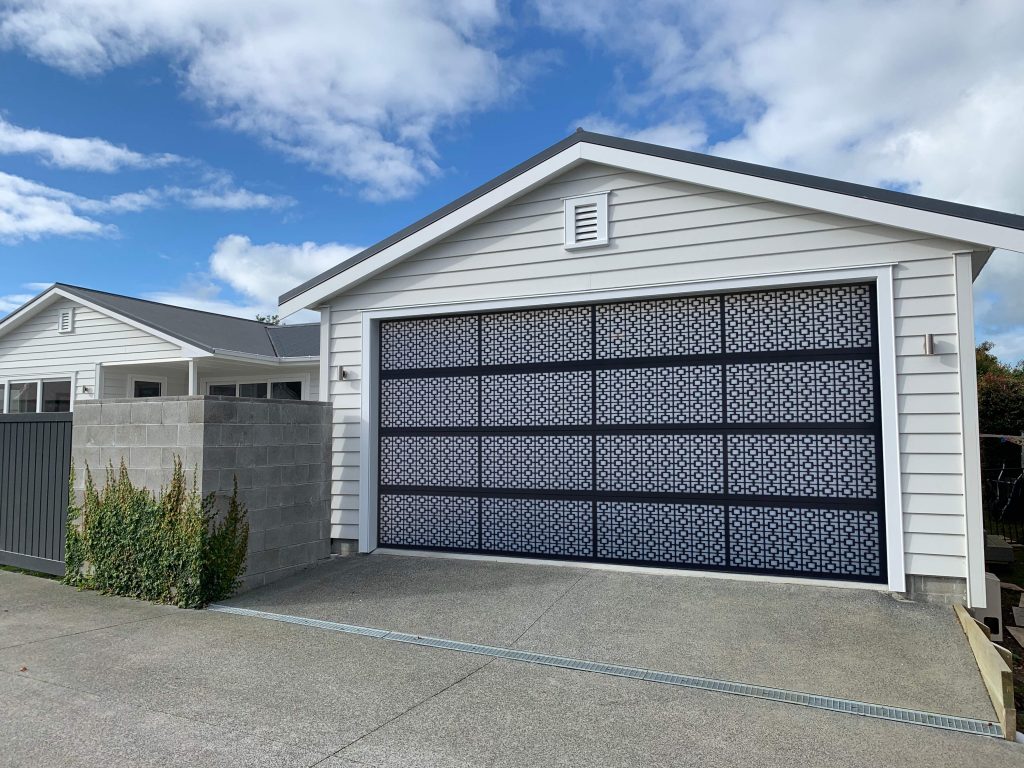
x=87, y=679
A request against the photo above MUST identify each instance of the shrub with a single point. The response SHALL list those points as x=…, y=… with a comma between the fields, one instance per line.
x=167, y=547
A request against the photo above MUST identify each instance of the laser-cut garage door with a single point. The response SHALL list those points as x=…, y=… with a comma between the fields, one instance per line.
x=736, y=432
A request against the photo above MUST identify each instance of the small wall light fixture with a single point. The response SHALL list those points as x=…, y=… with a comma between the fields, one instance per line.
x=342, y=373
x=929, y=343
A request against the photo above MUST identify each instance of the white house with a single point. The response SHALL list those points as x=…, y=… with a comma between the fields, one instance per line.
x=624, y=353
x=71, y=343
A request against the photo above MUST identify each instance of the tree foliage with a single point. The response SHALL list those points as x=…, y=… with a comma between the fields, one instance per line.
x=1000, y=393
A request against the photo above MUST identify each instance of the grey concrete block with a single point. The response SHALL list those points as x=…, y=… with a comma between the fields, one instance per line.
x=280, y=454
x=257, y=538
x=196, y=411
x=265, y=560
x=99, y=435
x=147, y=412
x=128, y=435
x=175, y=411
x=87, y=413
x=236, y=434
x=267, y=434
x=253, y=498
x=146, y=458
x=164, y=435
x=116, y=413
x=252, y=455
x=190, y=434
x=220, y=411
x=220, y=457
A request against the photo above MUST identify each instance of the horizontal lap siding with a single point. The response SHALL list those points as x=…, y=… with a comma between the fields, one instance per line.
x=35, y=350
x=666, y=232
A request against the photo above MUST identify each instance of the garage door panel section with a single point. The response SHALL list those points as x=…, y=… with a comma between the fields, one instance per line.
x=735, y=432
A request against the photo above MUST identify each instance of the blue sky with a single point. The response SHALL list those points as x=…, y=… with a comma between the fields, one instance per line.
x=215, y=154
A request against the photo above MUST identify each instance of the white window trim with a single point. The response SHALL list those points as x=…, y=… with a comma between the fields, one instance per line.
x=880, y=274
x=140, y=377
x=600, y=199
x=5, y=384
x=302, y=378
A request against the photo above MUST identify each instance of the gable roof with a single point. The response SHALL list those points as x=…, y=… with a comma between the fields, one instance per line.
x=990, y=228
x=207, y=331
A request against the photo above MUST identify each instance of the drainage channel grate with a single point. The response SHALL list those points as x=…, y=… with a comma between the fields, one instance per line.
x=846, y=706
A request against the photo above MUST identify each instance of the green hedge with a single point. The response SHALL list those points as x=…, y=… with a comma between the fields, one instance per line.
x=167, y=547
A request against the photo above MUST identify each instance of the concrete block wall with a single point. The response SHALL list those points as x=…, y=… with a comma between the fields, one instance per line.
x=279, y=451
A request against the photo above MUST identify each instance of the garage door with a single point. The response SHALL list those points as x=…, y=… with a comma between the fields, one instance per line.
x=733, y=432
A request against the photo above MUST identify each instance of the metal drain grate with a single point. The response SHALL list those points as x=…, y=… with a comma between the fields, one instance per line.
x=845, y=706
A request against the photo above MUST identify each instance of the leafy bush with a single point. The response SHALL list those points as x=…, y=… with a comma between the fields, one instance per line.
x=167, y=547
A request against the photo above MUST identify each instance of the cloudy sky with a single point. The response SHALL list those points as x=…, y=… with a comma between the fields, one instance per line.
x=217, y=153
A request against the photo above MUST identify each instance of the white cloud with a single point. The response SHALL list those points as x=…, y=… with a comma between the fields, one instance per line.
x=87, y=154
x=244, y=279
x=923, y=95
x=263, y=272
x=354, y=90
x=29, y=211
x=226, y=197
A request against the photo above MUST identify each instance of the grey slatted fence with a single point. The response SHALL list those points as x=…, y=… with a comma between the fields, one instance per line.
x=35, y=461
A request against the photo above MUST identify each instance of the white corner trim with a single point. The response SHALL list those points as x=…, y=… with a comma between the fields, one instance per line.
x=891, y=475
x=880, y=274
x=973, y=517
x=325, y=354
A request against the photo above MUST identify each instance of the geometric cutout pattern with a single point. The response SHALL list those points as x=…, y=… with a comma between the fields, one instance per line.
x=660, y=463
x=658, y=327
x=832, y=466
x=690, y=394
x=681, y=534
x=549, y=462
x=830, y=317
x=535, y=336
x=537, y=526
x=726, y=434
x=536, y=399
x=823, y=391
x=439, y=401
x=433, y=342
x=430, y=460
x=428, y=521
x=816, y=541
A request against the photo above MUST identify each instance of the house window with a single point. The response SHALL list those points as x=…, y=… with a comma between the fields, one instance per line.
x=56, y=396
x=281, y=390
x=586, y=220
x=286, y=390
x=24, y=397
x=258, y=389
x=147, y=388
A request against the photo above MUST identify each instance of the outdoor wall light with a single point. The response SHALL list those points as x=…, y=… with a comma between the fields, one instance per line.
x=342, y=373
x=929, y=343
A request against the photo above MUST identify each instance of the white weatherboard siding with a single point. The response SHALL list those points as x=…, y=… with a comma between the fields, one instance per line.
x=34, y=349
x=663, y=232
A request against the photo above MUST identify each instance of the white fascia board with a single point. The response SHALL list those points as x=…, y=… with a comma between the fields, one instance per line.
x=439, y=229
x=248, y=357
x=44, y=300
x=935, y=224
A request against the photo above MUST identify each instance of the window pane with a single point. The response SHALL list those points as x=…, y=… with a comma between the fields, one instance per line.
x=23, y=397
x=56, y=396
x=147, y=388
x=286, y=390
x=227, y=390
x=253, y=390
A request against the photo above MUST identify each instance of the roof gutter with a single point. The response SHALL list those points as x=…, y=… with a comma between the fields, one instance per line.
x=231, y=354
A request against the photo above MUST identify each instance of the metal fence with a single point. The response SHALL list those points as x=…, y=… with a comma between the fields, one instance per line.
x=1003, y=501
x=35, y=461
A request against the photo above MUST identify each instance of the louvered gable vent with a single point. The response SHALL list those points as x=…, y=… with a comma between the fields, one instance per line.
x=66, y=320
x=586, y=220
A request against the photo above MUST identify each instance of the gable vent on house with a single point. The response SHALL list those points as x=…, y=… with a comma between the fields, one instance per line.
x=66, y=320
x=586, y=220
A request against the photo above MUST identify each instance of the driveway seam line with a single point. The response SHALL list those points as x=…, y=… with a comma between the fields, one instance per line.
x=544, y=613
x=82, y=632
x=800, y=698
x=404, y=712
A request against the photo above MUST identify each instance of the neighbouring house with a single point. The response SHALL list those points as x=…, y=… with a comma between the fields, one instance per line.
x=622, y=353
x=71, y=344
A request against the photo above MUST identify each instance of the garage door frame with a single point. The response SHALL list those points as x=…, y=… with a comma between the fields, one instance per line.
x=880, y=275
